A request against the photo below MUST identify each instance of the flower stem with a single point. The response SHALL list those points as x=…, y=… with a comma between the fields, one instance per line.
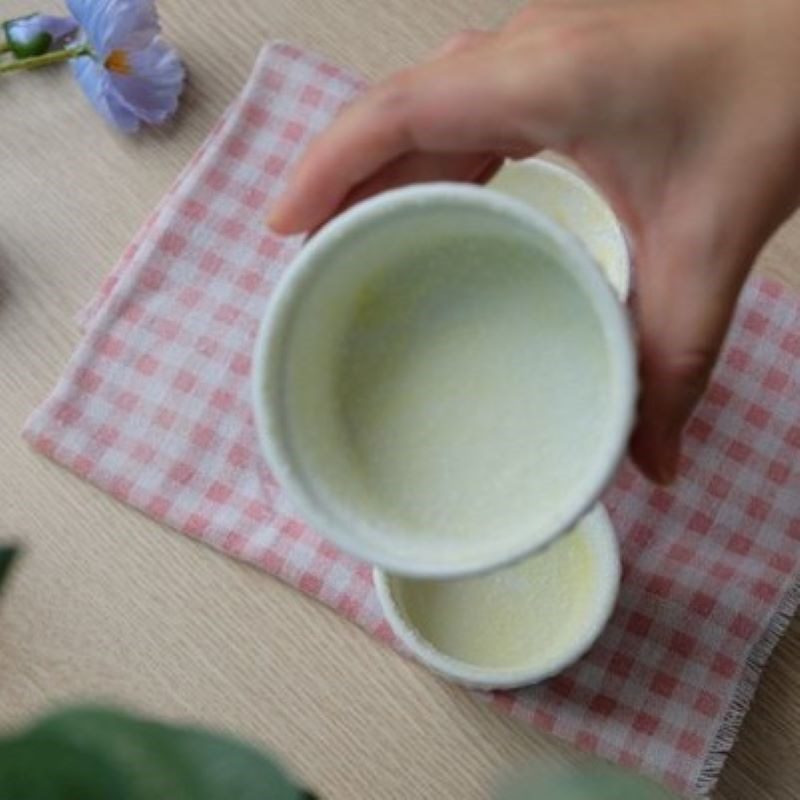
x=45, y=60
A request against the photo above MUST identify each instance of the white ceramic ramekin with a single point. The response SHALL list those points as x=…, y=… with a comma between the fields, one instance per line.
x=300, y=344
x=574, y=203
x=586, y=617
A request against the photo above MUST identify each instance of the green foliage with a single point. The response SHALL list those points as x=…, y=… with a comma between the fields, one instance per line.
x=95, y=753
x=591, y=782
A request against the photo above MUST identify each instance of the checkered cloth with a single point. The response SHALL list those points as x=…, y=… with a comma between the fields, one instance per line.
x=153, y=408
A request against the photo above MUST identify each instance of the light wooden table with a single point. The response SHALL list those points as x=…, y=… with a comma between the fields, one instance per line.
x=107, y=603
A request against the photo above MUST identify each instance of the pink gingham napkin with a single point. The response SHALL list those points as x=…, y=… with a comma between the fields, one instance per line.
x=153, y=408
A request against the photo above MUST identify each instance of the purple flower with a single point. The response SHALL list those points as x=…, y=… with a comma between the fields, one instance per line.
x=37, y=34
x=130, y=74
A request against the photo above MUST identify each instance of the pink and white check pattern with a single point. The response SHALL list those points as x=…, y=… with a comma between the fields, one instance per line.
x=153, y=408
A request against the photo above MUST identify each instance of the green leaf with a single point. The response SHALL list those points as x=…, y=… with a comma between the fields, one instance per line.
x=141, y=759
x=597, y=781
x=7, y=555
x=70, y=772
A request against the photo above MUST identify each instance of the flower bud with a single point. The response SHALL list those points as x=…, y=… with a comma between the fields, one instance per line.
x=37, y=34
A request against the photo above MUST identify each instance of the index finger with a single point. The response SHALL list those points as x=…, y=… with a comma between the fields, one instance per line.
x=458, y=104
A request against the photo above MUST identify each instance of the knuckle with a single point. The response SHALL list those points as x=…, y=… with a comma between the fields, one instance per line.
x=464, y=39
x=393, y=95
x=394, y=104
x=690, y=368
x=538, y=13
x=587, y=47
x=594, y=34
x=580, y=56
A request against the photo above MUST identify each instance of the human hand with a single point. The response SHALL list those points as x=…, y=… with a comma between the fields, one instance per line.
x=684, y=112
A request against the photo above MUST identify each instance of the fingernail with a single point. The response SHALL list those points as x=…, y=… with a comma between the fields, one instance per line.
x=277, y=214
x=273, y=219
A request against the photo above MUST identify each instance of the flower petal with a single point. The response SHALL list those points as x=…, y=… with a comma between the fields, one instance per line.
x=152, y=88
x=95, y=83
x=125, y=119
x=129, y=24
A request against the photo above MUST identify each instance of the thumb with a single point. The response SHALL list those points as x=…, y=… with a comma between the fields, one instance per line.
x=687, y=287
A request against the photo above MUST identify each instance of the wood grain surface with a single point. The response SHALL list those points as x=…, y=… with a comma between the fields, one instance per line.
x=108, y=604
